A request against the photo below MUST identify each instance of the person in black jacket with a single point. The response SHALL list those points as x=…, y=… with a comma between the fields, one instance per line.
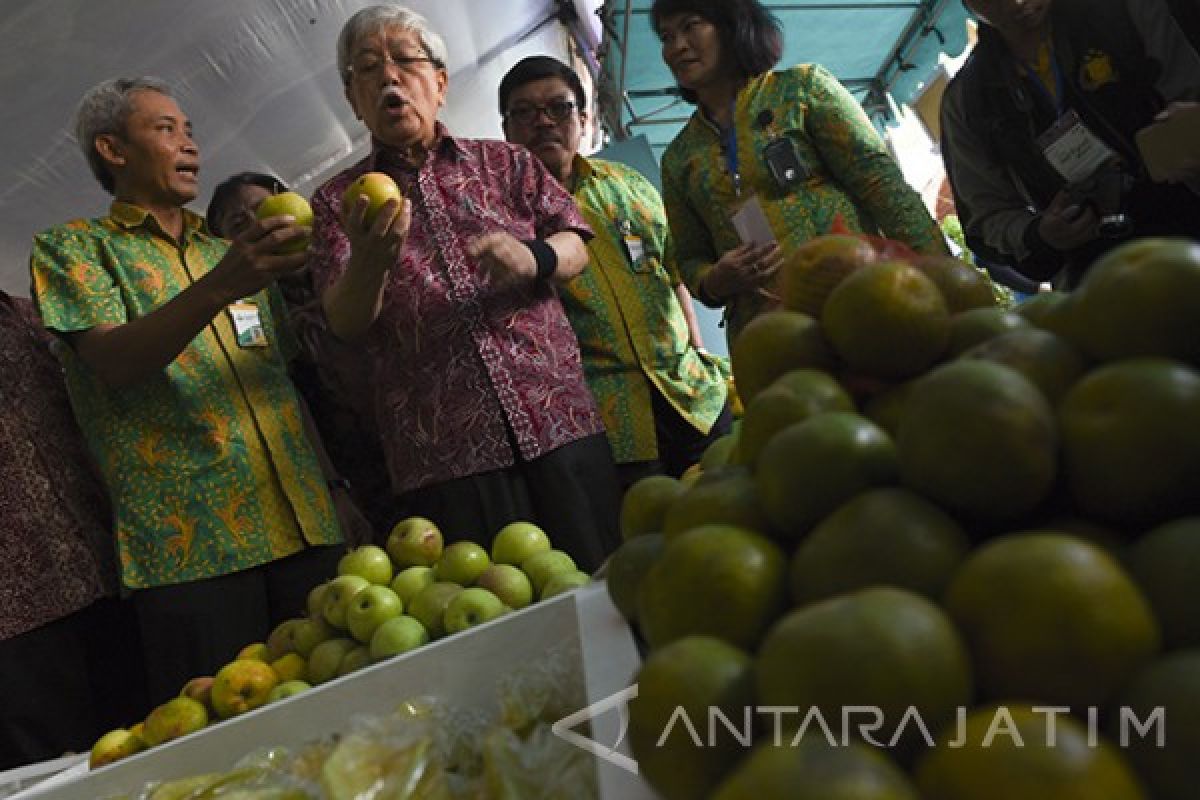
x=1039, y=131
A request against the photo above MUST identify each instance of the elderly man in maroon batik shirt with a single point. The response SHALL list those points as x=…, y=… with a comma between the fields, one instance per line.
x=56, y=558
x=479, y=393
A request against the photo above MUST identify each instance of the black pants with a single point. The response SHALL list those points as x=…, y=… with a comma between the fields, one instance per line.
x=571, y=492
x=680, y=445
x=193, y=629
x=65, y=683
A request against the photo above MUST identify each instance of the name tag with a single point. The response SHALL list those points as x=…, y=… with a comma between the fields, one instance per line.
x=247, y=325
x=751, y=223
x=1073, y=150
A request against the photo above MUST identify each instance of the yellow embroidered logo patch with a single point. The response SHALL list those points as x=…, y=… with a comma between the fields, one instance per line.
x=1097, y=70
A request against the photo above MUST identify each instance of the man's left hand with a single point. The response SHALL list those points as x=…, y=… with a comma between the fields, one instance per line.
x=505, y=257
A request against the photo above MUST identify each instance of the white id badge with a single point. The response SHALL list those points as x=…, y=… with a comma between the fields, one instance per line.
x=751, y=224
x=247, y=325
x=1073, y=150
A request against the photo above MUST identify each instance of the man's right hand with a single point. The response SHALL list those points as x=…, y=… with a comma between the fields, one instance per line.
x=1066, y=225
x=377, y=245
x=744, y=268
x=252, y=261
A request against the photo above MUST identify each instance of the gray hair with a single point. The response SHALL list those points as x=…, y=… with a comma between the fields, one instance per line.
x=105, y=108
x=374, y=18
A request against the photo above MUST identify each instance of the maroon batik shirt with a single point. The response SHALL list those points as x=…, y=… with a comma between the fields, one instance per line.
x=56, y=545
x=455, y=359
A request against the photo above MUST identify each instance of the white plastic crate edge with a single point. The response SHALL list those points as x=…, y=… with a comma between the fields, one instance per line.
x=20, y=779
x=452, y=664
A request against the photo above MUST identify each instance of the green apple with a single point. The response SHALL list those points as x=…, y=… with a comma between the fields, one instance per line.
x=517, y=541
x=397, y=635
x=200, y=690
x=378, y=188
x=354, y=660
x=414, y=542
x=461, y=563
x=288, y=203
x=281, y=641
x=326, y=659
x=411, y=580
x=316, y=600
x=429, y=606
x=309, y=633
x=370, y=562
x=242, y=686
x=177, y=717
x=508, y=583
x=113, y=746
x=541, y=567
x=338, y=596
x=288, y=689
x=564, y=582
x=369, y=609
x=471, y=607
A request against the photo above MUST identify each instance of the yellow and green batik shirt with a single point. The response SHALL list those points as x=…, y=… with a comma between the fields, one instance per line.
x=207, y=462
x=632, y=333
x=851, y=175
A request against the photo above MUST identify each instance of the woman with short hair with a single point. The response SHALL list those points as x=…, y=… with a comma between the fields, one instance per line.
x=794, y=142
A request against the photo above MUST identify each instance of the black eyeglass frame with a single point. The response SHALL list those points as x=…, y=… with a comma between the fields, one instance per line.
x=527, y=115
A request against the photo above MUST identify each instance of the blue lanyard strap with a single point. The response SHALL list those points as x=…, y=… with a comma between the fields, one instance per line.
x=1058, y=100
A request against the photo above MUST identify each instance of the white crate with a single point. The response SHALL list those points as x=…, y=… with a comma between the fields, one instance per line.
x=466, y=670
x=20, y=779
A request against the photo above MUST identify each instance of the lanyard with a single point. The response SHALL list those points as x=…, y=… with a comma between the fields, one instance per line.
x=1058, y=100
x=730, y=147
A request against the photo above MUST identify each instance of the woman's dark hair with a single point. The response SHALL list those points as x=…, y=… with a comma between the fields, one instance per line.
x=749, y=32
x=536, y=68
x=227, y=190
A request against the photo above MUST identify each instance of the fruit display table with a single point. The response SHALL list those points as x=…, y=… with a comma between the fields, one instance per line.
x=468, y=670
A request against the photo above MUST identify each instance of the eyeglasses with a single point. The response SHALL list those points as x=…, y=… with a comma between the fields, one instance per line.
x=368, y=65
x=556, y=110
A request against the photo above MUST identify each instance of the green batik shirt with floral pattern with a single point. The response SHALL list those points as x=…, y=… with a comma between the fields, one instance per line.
x=207, y=461
x=632, y=332
x=851, y=176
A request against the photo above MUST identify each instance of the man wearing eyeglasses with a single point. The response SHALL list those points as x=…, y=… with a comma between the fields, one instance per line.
x=662, y=397
x=480, y=397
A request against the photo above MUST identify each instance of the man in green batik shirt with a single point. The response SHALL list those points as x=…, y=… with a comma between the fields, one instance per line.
x=663, y=399
x=222, y=516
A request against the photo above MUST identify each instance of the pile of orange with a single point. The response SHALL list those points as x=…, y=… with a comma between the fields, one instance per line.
x=960, y=543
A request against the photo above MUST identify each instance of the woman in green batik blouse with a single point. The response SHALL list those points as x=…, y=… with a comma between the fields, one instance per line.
x=791, y=148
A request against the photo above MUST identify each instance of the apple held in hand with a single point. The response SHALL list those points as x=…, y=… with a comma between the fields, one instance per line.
x=177, y=717
x=288, y=204
x=541, y=567
x=113, y=746
x=472, y=607
x=369, y=609
x=242, y=686
x=369, y=562
x=338, y=596
x=378, y=188
x=518, y=541
x=508, y=583
x=287, y=689
x=414, y=542
x=409, y=581
x=461, y=563
x=397, y=635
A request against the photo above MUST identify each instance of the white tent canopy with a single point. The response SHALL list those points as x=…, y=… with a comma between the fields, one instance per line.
x=257, y=78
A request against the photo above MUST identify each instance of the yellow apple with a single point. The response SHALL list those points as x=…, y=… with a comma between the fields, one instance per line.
x=200, y=690
x=291, y=667
x=254, y=652
x=242, y=686
x=177, y=717
x=113, y=746
x=378, y=188
x=288, y=203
